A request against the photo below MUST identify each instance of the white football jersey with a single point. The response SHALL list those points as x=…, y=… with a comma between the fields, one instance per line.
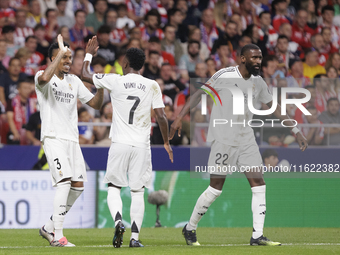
x=236, y=131
x=132, y=97
x=58, y=106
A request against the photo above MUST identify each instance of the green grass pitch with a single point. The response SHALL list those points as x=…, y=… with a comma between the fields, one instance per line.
x=170, y=241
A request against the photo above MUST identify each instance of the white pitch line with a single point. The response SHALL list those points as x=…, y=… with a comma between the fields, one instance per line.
x=176, y=245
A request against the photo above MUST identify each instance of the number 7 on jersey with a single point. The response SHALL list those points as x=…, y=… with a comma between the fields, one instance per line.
x=132, y=111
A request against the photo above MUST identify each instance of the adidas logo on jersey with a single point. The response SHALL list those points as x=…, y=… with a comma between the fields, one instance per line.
x=81, y=177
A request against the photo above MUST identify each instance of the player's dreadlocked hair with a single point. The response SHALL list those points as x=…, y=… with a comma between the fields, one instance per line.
x=55, y=46
x=136, y=58
x=249, y=47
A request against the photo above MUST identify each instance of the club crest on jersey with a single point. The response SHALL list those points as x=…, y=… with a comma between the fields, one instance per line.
x=70, y=86
x=60, y=173
x=100, y=75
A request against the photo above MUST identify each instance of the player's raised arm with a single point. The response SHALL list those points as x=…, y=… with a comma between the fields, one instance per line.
x=163, y=125
x=51, y=69
x=91, y=49
x=299, y=136
x=177, y=124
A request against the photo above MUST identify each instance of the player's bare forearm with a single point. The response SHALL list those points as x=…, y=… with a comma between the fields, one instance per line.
x=97, y=101
x=192, y=103
x=163, y=124
x=85, y=73
x=50, y=70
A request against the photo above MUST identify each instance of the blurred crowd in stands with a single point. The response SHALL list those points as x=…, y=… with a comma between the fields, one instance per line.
x=182, y=39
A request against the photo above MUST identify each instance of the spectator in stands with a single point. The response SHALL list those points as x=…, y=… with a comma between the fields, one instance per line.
x=244, y=40
x=117, y=36
x=314, y=135
x=134, y=43
x=301, y=33
x=176, y=19
x=247, y=15
x=18, y=111
x=34, y=16
x=152, y=22
x=86, y=135
x=230, y=33
x=117, y=66
x=269, y=66
x=267, y=30
x=201, y=70
x=33, y=129
x=170, y=44
x=137, y=9
x=24, y=55
x=10, y=80
x=299, y=116
x=331, y=116
x=21, y=30
x=327, y=21
x=286, y=29
x=209, y=31
x=311, y=66
x=63, y=18
x=73, y=5
x=319, y=44
x=151, y=69
x=270, y=158
x=7, y=14
x=43, y=44
x=309, y=6
x=188, y=17
x=79, y=32
x=211, y=66
x=323, y=92
x=223, y=56
x=253, y=32
x=282, y=53
x=188, y=62
x=51, y=25
x=334, y=60
x=79, y=53
x=4, y=59
x=172, y=84
x=102, y=132
x=8, y=35
x=327, y=37
x=33, y=63
x=96, y=19
x=123, y=20
x=106, y=49
x=76, y=66
x=333, y=79
x=166, y=99
x=295, y=77
x=196, y=35
x=279, y=10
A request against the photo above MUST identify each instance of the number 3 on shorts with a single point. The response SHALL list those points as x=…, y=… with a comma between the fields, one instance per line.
x=58, y=163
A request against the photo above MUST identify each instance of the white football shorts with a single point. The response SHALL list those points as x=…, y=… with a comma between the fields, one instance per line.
x=226, y=159
x=128, y=165
x=65, y=160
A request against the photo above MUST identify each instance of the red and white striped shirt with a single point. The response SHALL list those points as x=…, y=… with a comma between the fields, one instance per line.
x=272, y=37
x=145, y=36
x=20, y=35
x=33, y=63
x=163, y=12
x=117, y=35
x=139, y=9
x=7, y=13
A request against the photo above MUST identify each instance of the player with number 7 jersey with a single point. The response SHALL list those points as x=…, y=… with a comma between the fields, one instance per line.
x=132, y=97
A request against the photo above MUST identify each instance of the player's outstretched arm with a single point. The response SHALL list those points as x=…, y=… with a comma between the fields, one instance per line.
x=163, y=125
x=50, y=70
x=299, y=136
x=192, y=102
x=91, y=49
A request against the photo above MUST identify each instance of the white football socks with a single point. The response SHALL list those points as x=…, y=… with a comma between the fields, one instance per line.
x=136, y=212
x=115, y=204
x=73, y=195
x=59, y=207
x=202, y=205
x=258, y=206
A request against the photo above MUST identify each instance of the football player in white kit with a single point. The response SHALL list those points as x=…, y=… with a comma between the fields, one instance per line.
x=132, y=97
x=236, y=144
x=57, y=93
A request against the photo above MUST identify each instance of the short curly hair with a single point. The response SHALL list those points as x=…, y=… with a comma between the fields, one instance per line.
x=55, y=46
x=136, y=58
